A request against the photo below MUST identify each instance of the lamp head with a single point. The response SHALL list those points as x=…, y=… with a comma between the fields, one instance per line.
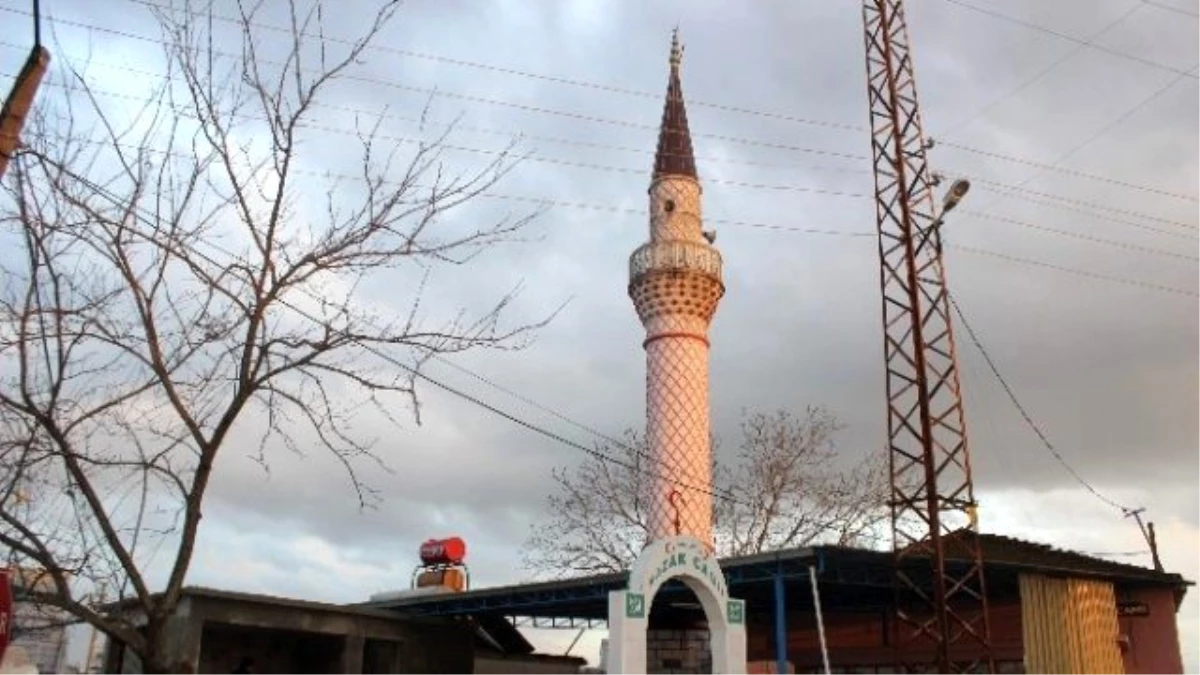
x=958, y=189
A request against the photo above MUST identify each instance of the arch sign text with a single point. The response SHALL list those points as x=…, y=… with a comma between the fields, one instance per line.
x=681, y=557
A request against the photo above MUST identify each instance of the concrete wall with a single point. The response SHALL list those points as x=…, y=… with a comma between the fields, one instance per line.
x=222, y=646
x=213, y=632
x=342, y=637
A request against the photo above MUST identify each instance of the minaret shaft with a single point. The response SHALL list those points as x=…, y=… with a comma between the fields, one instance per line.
x=675, y=284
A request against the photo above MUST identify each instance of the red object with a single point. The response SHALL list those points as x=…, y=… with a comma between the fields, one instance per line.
x=449, y=551
x=6, y=610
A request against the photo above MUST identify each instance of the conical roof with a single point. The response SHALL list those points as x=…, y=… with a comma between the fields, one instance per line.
x=674, y=156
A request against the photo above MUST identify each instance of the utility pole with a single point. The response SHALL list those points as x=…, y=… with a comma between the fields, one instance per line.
x=940, y=595
x=20, y=99
x=1147, y=533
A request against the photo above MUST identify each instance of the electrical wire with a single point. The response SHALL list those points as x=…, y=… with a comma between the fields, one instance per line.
x=528, y=401
x=1067, y=202
x=1071, y=270
x=1012, y=396
x=1018, y=191
x=1097, y=134
x=429, y=91
x=1026, y=83
x=1083, y=237
x=1174, y=234
x=1169, y=8
x=1070, y=38
x=136, y=212
x=613, y=169
x=608, y=120
x=435, y=92
x=1021, y=193
x=540, y=430
x=1066, y=171
x=606, y=208
x=488, y=67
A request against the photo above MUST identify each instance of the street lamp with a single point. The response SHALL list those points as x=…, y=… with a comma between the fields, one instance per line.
x=954, y=195
x=958, y=190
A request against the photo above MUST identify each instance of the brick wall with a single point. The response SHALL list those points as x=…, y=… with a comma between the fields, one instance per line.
x=678, y=651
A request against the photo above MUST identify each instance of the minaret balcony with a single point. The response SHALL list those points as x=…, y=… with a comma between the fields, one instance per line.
x=678, y=278
x=675, y=256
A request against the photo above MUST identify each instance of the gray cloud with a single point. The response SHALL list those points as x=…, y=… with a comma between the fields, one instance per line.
x=1109, y=370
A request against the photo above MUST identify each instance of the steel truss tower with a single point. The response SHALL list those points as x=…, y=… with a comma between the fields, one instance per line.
x=941, y=603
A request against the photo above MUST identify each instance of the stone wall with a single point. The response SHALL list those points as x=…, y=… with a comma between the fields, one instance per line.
x=678, y=651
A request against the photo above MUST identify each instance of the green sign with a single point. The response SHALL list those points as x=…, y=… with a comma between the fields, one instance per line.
x=686, y=554
x=736, y=611
x=635, y=605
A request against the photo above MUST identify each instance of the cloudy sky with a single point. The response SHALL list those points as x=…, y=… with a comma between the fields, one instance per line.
x=1081, y=282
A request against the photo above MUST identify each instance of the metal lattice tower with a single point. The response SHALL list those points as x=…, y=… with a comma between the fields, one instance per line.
x=941, y=602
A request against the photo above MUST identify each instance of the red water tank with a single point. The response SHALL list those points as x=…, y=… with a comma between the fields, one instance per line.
x=450, y=551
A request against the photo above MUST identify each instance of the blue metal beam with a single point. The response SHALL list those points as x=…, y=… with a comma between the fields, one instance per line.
x=781, y=647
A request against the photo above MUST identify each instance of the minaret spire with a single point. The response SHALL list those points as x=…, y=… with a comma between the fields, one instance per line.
x=674, y=155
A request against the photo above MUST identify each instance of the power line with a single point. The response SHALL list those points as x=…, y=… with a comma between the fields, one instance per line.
x=607, y=208
x=601, y=456
x=435, y=92
x=1071, y=270
x=430, y=91
x=1083, y=237
x=483, y=130
x=528, y=401
x=415, y=372
x=1100, y=132
x=1066, y=171
x=1025, y=84
x=1070, y=38
x=615, y=169
x=1114, y=554
x=546, y=202
x=488, y=67
x=601, y=120
x=1068, y=201
x=1025, y=413
x=1111, y=219
x=1169, y=8
x=1015, y=190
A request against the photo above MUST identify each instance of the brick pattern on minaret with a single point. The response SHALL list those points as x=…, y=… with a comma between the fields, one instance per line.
x=675, y=283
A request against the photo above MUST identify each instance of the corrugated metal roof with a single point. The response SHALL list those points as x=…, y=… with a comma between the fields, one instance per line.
x=844, y=568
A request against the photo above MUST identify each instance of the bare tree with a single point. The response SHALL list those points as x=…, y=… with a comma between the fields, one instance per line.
x=176, y=280
x=786, y=488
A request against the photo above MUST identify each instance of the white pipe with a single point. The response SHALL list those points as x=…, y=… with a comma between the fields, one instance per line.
x=812, y=577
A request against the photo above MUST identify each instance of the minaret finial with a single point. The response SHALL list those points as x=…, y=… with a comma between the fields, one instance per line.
x=676, y=49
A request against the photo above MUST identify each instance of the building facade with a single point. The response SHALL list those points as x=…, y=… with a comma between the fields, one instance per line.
x=855, y=588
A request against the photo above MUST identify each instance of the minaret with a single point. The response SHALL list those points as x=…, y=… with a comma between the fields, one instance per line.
x=675, y=284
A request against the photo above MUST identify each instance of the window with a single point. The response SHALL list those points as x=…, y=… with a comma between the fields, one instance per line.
x=669, y=206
